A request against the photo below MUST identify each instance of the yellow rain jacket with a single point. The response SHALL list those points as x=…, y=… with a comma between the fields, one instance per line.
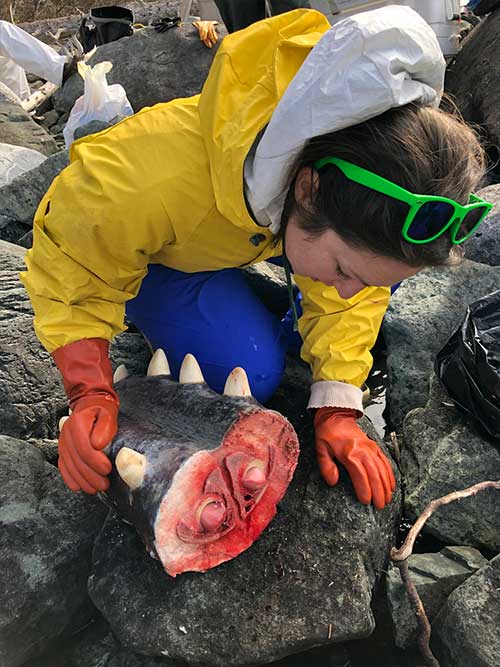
x=165, y=186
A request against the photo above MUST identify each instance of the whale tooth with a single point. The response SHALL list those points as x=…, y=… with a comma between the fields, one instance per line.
x=190, y=372
x=237, y=383
x=131, y=466
x=120, y=374
x=158, y=364
x=61, y=422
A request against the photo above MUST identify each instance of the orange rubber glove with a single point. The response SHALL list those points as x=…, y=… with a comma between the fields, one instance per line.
x=339, y=437
x=93, y=423
x=207, y=31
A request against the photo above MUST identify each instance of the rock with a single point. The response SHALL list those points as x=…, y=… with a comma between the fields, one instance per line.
x=435, y=575
x=442, y=453
x=31, y=395
x=151, y=66
x=20, y=199
x=486, y=6
x=484, y=246
x=17, y=128
x=314, y=568
x=46, y=538
x=268, y=281
x=49, y=119
x=473, y=79
x=421, y=317
x=15, y=160
x=95, y=126
x=466, y=631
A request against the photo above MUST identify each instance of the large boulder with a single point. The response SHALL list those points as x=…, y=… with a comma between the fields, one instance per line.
x=151, y=66
x=484, y=246
x=17, y=127
x=31, y=396
x=31, y=393
x=473, y=79
x=20, y=198
x=443, y=453
x=435, y=576
x=466, y=631
x=16, y=160
x=46, y=539
x=421, y=316
x=307, y=580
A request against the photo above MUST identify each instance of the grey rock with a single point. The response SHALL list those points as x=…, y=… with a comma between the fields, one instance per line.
x=17, y=127
x=442, y=453
x=484, y=246
x=421, y=317
x=151, y=66
x=473, y=79
x=315, y=566
x=95, y=126
x=50, y=118
x=46, y=537
x=466, y=631
x=16, y=160
x=20, y=198
x=435, y=575
x=31, y=394
x=268, y=281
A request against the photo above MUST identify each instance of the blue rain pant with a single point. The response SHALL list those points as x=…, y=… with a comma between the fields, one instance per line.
x=217, y=317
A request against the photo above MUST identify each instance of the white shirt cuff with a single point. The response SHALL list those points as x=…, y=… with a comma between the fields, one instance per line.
x=335, y=394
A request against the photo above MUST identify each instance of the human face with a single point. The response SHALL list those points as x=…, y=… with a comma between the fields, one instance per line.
x=332, y=261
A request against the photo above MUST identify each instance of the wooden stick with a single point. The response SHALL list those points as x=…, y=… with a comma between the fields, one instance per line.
x=399, y=558
x=407, y=548
x=42, y=94
x=418, y=607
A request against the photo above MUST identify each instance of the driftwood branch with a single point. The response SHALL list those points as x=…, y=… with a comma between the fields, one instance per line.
x=407, y=548
x=43, y=93
x=421, y=616
x=399, y=558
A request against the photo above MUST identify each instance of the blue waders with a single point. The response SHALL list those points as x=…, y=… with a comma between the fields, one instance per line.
x=215, y=316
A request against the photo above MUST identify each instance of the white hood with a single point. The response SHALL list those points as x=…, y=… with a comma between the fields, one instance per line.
x=361, y=67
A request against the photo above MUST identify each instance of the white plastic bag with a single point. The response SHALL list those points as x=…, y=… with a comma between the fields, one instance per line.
x=17, y=160
x=100, y=100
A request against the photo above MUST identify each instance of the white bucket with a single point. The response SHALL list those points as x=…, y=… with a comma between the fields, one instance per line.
x=442, y=15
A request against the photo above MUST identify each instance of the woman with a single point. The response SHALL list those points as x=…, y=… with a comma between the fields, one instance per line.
x=161, y=211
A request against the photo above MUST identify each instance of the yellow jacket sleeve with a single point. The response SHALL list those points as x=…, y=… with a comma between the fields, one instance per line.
x=94, y=231
x=338, y=333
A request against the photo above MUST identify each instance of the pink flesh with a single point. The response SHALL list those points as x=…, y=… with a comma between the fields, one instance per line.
x=254, y=479
x=212, y=516
x=221, y=500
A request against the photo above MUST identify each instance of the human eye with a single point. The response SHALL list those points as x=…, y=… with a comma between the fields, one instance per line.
x=341, y=274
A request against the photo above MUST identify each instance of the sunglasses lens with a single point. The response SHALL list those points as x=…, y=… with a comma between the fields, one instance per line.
x=470, y=223
x=431, y=218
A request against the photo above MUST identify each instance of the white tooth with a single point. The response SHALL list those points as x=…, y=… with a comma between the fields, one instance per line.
x=190, y=372
x=159, y=364
x=131, y=466
x=61, y=422
x=237, y=383
x=120, y=374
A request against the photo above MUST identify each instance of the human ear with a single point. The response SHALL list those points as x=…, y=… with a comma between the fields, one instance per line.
x=306, y=184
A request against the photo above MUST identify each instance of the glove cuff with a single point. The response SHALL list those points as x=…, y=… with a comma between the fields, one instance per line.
x=86, y=369
x=330, y=414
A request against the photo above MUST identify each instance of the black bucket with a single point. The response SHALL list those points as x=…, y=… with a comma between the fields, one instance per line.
x=103, y=25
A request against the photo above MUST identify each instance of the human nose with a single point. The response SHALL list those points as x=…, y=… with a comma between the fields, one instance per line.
x=350, y=289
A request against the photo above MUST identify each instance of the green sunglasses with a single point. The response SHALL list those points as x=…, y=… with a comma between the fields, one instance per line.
x=428, y=217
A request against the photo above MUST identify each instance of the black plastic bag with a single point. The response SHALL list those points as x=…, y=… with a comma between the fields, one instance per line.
x=103, y=25
x=468, y=366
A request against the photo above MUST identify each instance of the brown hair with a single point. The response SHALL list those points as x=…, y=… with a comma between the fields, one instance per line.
x=423, y=149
